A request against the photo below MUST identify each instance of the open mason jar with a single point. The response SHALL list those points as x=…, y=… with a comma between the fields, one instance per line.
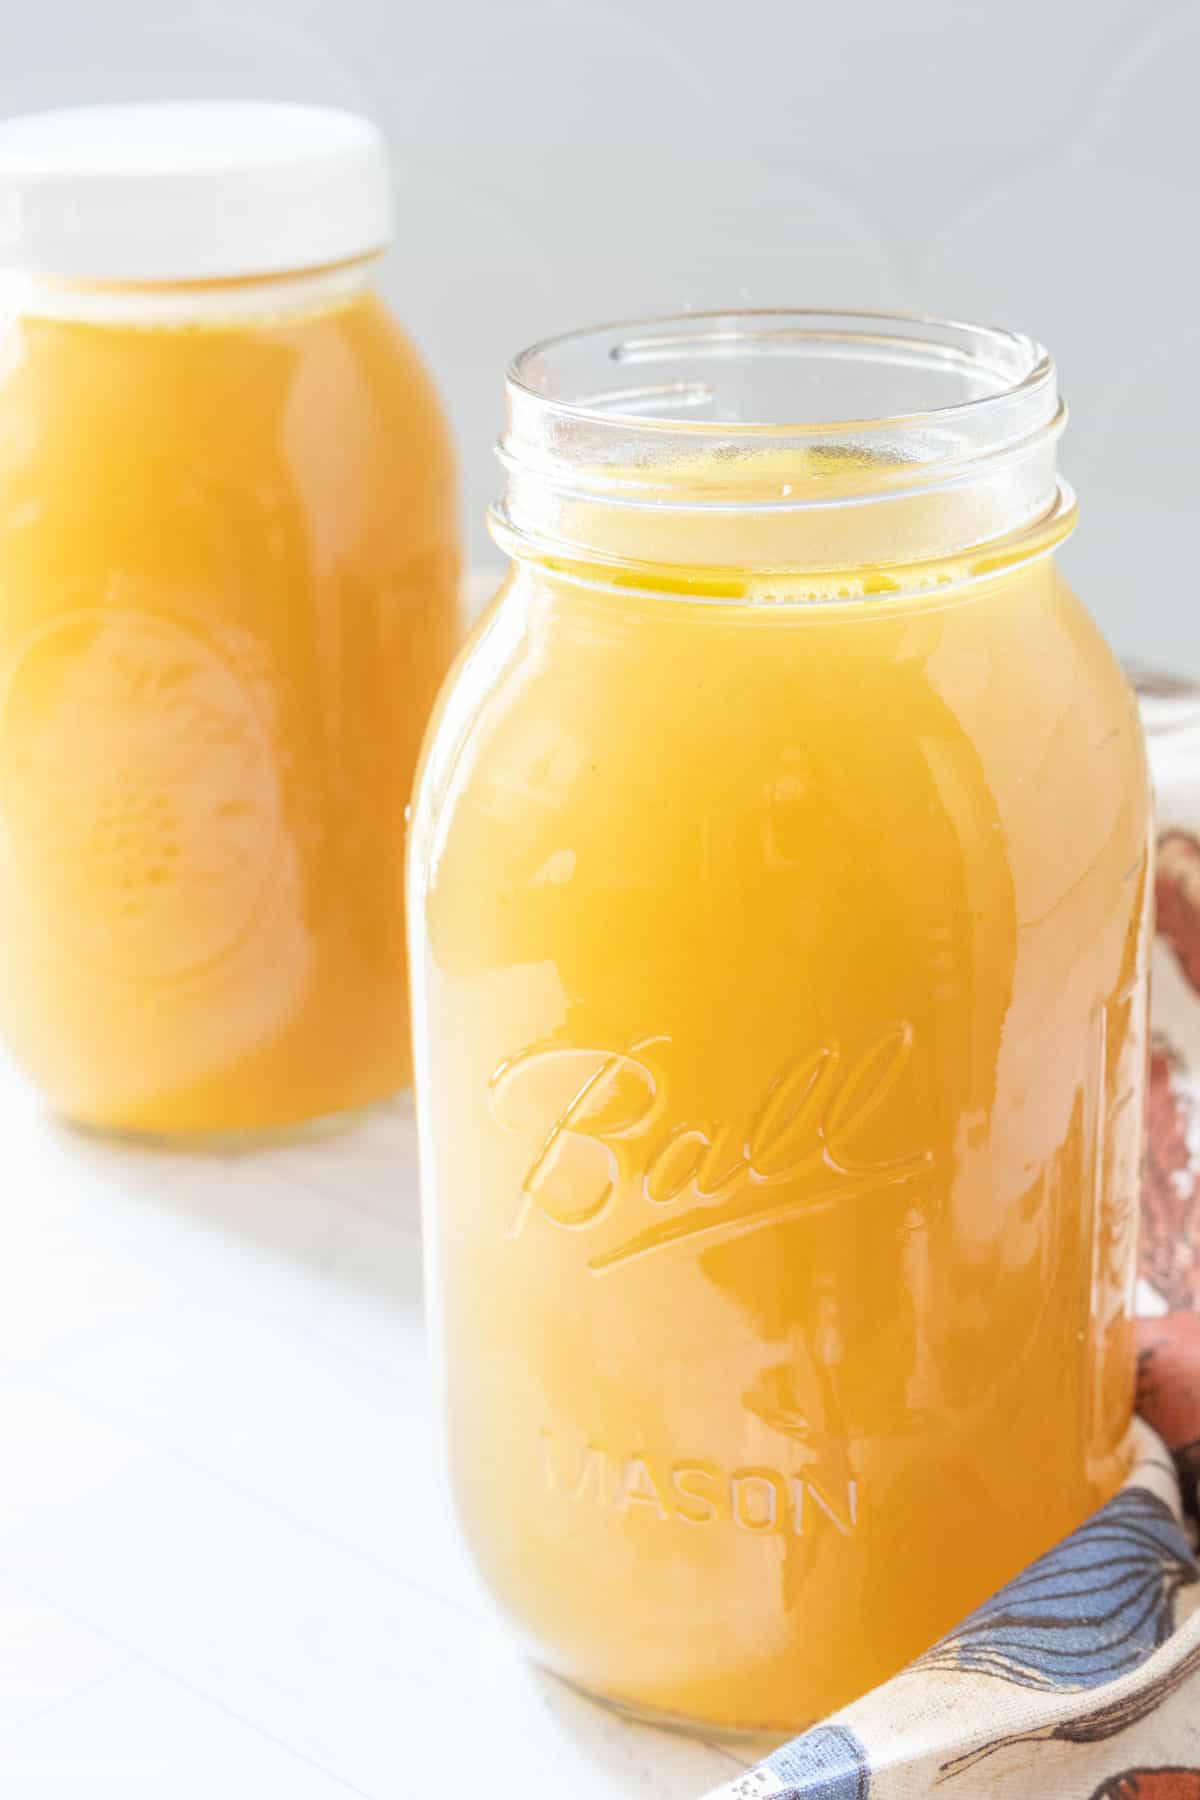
x=779, y=904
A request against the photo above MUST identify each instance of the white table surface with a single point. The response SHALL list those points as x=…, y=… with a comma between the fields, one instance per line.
x=226, y=1566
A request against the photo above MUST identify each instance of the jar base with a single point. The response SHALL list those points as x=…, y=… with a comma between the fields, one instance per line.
x=236, y=1138
x=764, y=1738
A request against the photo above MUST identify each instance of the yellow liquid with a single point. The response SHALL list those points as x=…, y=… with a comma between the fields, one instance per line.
x=227, y=596
x=780, y=975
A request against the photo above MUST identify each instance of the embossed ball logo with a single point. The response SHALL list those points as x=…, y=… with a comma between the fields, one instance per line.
x=609, y=1143
x=139, y=792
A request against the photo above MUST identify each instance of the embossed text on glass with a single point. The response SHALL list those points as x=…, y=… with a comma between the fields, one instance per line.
x=616, y=1142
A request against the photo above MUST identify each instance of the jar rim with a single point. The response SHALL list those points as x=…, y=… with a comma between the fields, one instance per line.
x=227, y=301
x=665, y=440
x=1031, y=370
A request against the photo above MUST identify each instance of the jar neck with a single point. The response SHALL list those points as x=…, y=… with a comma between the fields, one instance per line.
x=231, y=301
x=653, y=447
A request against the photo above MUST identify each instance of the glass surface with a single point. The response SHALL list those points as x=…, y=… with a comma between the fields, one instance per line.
x=779, y=951
x=227, y=556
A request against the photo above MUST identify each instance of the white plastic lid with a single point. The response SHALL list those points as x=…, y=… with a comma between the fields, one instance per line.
x=189, y=191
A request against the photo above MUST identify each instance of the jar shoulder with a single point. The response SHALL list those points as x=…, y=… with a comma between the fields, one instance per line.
x=1018, y=687
x=312, y=432
x=61, y=378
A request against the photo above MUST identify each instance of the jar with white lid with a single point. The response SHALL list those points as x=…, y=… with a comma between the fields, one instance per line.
x=228, y=593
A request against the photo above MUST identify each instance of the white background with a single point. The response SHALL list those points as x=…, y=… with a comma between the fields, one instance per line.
x=560, y=162
x=227, y=1569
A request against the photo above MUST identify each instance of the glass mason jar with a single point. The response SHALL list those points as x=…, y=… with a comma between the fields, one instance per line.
x=228, y=565
x=779, y=901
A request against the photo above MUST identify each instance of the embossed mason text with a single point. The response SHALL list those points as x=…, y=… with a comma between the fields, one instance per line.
x=694, y=1490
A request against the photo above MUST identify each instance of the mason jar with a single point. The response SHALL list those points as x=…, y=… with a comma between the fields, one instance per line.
x=228, y=572
x=778, y=918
